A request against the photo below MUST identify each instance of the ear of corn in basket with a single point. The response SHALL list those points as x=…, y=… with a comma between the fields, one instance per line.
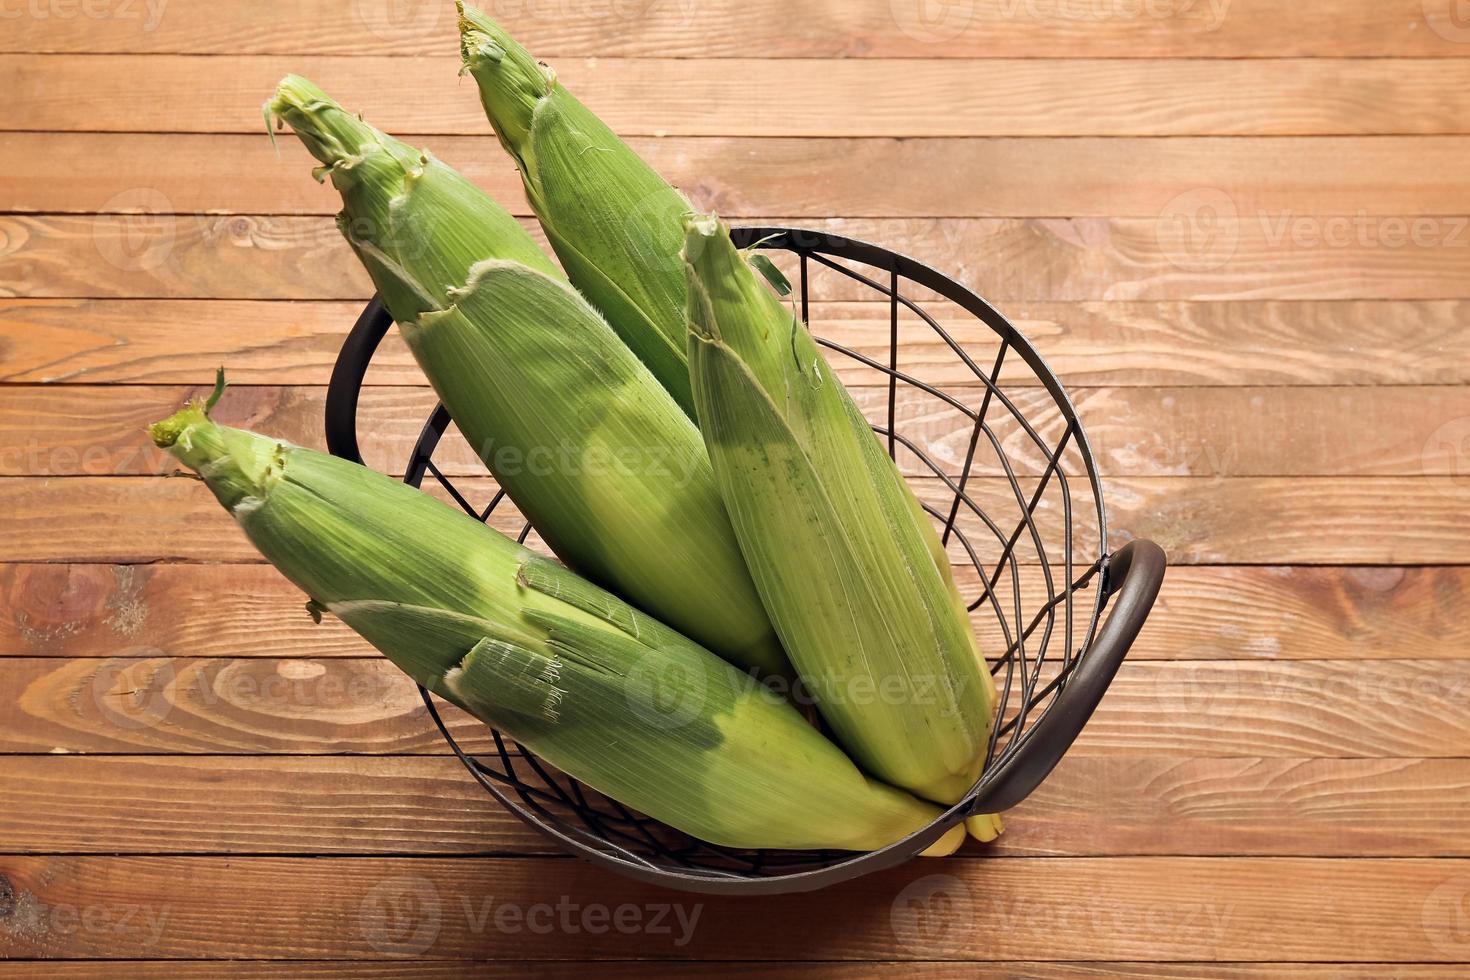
x=613, y=221
x=849, y=567
x=596, y=454
x=601, y=691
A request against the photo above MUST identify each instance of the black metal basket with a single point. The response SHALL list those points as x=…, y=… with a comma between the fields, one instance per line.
x=1036, y=540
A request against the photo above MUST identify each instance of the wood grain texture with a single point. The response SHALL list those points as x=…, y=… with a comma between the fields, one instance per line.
x=215, y=706
x=1238, y=231
x=417, y=969
x=161, y=609
x=747, y=178
x=1349, y=808
x=724, y=28
x=1186, y=709
x=1182, y=909
x=1203, y=613
x=79, y=430
x=1179, y=256
x=1310, y=613
x=1088, y=807
x=255, y=804
x=816, y=97
x=1231, y=520
x=1086, y=343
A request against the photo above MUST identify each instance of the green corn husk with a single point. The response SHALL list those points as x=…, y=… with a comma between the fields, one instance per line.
x=613, y=221
x=849, y=567
x=568, y=670
x=584, y=440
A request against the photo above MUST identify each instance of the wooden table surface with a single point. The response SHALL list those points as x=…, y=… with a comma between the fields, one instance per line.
x=1238, y=230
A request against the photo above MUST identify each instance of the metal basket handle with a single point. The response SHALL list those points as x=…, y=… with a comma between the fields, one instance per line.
x=347, y=377
x=1133, y=575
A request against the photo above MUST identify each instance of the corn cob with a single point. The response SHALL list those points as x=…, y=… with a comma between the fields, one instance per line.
x=551, y=660
x=592, y=450
x=849, y=567
x=614, y=223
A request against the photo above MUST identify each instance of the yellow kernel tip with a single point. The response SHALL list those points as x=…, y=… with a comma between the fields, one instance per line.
x=946, y=845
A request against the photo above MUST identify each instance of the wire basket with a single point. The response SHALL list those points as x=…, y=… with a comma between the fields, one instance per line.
x=988, y=437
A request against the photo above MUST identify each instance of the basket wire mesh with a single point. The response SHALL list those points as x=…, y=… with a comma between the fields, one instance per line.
x=993, y=446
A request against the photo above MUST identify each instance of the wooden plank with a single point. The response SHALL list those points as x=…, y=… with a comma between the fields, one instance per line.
x=1087, y=343
x=363, y=706
x=1185, y=709
x=724, y=28
x=159, y=255
x=255, y=804
x=171, y=610
x=1301, y=709
x=157, y=518
x=1230, y=520
x=1301, y=520
x=1308, y=807
x=183, y=341
x=1308, y=613
x=1010, y=261
x=749, y=178
x=1203, y=613
x=85, y=430
x=71, y=430
x=1087, y=807
x=1182, y=909
x=1246, y=431
x=816, y=97
x=416, y=969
